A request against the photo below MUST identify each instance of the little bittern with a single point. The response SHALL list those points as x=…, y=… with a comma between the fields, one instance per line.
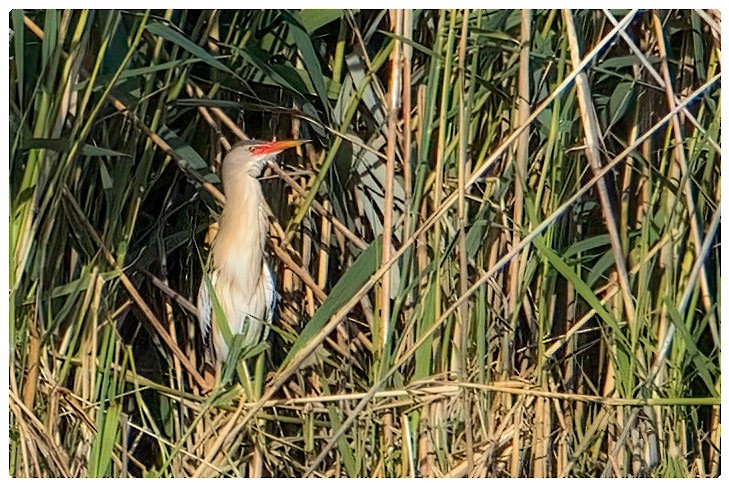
x=238, y=273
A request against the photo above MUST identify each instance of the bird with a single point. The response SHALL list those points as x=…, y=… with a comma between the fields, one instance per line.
x=238, y=273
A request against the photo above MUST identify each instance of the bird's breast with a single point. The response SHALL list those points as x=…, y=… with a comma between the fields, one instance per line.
x=238, y=260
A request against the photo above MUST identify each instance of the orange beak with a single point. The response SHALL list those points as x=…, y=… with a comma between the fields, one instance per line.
x=276, y=147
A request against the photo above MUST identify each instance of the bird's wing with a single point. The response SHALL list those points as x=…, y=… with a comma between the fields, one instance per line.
x=205, y=304
x=269, y=291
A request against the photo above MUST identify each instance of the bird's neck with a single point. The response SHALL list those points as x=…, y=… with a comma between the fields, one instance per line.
x=239, y=246
x=242, y=191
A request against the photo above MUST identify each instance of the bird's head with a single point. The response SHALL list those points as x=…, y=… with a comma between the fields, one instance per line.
x=253, y=155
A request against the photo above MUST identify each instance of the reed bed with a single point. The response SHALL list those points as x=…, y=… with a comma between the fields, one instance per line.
x=497, y=257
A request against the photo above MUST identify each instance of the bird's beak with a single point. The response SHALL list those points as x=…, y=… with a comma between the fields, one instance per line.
x=276, y=147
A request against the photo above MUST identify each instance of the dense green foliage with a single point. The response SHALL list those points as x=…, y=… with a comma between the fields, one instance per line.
x=498, y=256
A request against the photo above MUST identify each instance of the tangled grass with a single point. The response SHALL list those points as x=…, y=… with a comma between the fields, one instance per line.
x=498, y=256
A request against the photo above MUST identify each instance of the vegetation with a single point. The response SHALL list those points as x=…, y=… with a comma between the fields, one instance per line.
x=498, y=255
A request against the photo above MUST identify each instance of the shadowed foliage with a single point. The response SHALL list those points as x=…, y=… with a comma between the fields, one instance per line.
x=497, y=257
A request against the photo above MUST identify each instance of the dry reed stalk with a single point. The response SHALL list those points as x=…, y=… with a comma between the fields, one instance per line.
x=685, y=180
x=593, y=139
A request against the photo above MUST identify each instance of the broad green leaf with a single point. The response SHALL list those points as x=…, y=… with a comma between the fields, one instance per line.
x=280, y=74
x=348, y=285
x=217, y=313
x=624, y=61
x=55, y=144
x=311, y=63
x=314, y=18
x=415, y=45
x=50, y=35
x=698, y=45
x=136, y=72
x=187, y=153
x=178, y=38
x=93, y=151
x=620, y=100
x=76, y=285
x=62, y=145
x=19, y=49
x=335, y=417
x=109, y=433
x=603, y=263
x=424, y=354
x=586, y=245
x=208, y=103
x=309, y=58
x=581, y=287
x=106, y=180
x=498, y=36
x=107, y=421
x=475, y=235
x=703, y=365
